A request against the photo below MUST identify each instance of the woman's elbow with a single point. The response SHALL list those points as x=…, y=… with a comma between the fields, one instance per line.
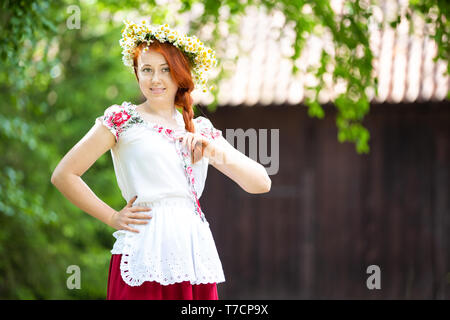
x=54, y=178
x=58, y=176
x=263, y=187
x=267, y=185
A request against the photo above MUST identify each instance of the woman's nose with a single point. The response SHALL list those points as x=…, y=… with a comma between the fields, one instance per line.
x=155, y=77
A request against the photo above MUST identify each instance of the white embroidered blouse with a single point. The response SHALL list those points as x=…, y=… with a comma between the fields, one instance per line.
x=176, y=244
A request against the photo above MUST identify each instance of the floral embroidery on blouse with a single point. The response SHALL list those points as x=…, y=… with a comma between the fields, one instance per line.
x=206, y=128
x=120, y=118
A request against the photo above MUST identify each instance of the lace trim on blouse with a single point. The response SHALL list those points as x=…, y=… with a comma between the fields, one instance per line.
x=195, y=259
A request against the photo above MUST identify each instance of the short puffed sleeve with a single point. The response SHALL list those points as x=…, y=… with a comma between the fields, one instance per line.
x=115, y=118
x=206, y=128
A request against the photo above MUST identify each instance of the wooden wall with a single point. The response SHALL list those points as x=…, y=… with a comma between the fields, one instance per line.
x=331, y=212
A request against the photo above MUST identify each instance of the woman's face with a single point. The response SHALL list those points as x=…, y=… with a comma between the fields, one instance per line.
x=155, y=80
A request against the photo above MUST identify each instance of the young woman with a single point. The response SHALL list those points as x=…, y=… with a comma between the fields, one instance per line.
x=164, y=248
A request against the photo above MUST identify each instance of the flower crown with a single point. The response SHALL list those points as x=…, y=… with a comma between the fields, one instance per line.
x=202, y=58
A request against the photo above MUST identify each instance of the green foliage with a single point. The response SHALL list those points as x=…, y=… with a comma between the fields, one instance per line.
x=55, y=81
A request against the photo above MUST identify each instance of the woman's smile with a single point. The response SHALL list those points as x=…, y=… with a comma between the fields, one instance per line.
x=157, y=90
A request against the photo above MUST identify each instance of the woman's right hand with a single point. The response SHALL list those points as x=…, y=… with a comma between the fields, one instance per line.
x=129, y=215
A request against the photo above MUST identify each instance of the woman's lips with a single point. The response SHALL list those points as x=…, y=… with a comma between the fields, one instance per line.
x=157, y=91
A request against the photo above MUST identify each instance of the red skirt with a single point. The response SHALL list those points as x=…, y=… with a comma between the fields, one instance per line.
x=152, y=290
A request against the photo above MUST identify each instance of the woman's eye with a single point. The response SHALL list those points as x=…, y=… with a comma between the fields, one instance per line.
x=166, y=69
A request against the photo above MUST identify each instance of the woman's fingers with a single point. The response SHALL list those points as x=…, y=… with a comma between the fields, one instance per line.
x=137, y=209
x=187, y=140
x=183, y=140
x=194, y=143
x=127, y=227
x=190, y=139
x=130, y=203
x=136, y=221
x=196, y=151
x=201, y=144
x=132, y=216
x=139, y=215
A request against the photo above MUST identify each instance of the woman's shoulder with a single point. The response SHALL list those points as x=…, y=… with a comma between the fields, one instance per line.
x=124, y=107
x=119, y=115
x=117, y=118
x=206, y=128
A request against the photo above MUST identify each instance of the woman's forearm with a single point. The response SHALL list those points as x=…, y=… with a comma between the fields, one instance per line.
x=247, y=173
x=79, y=193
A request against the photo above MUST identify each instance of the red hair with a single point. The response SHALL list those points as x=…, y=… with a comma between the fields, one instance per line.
x=180, y=70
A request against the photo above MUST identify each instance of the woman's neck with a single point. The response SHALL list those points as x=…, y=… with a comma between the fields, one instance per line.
x=166, y=112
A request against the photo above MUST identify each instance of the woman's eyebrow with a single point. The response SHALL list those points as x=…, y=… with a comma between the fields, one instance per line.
x=151, y=65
